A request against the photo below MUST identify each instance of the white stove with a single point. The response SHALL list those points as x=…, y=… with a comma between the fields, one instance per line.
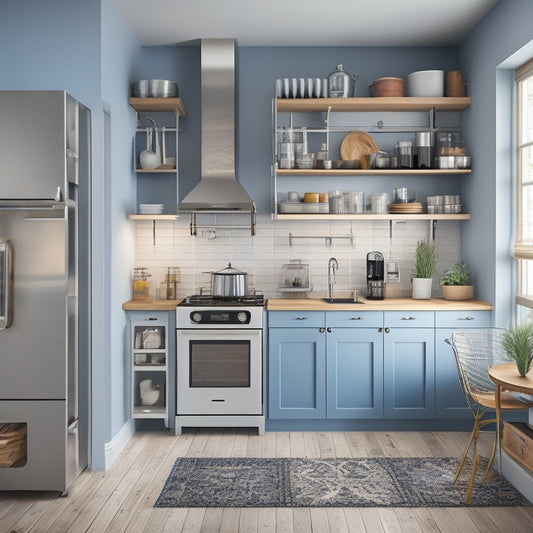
x=219, y=362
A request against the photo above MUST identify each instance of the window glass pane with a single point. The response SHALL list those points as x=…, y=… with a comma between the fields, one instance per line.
x=526, y=95
x=524, y=314
x=526, y=222
x=526, y=166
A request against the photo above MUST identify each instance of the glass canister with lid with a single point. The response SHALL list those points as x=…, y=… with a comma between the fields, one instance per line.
x=340, y=83
x=141, y=290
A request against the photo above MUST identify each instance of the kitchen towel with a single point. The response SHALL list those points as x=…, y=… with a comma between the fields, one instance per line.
x=361, y=482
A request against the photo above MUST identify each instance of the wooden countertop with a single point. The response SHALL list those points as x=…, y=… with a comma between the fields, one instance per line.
x=150, y=305
x=389, y=304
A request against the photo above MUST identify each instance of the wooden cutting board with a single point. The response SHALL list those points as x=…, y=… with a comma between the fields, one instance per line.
x=356, y=145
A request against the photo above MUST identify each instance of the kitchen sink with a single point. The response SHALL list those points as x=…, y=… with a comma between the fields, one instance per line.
x=340, y=301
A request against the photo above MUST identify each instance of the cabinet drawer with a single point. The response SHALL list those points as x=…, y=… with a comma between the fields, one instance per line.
x=354, y=319
x=462, y=319
x=296, y=319
x=408, y=319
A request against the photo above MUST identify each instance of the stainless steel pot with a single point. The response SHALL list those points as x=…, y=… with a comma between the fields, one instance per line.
x=228, y=282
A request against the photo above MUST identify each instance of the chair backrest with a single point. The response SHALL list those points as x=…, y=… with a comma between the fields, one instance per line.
x=475, y=352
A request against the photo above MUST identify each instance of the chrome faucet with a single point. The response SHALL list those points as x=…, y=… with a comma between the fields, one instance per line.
x=332, y=268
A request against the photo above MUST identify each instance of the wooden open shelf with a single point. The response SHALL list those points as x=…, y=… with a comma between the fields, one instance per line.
x=330, y=216
x=158, y=104
x=407, y=103
x=371, y=172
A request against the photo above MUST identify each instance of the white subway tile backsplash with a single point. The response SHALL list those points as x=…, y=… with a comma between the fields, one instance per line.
x=263, y=255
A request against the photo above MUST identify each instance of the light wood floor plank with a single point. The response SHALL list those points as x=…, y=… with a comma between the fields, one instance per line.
x=355, y=442
x=301, y=519
x=248, y=520
x=371, y=443
x=266, y=520
x=284, y=523
x=312, y=448
x=227, y=440
x=255, y=446
x=388, y=445
x=212, y=444
x=212, y=519
x=408, y=520
x=354, y=520
x=389, y=520
x=319, y=520
x=325, y=443
x=340, y=444
x=240, y=444
x=283, y=444
x=336, y=520
x=269, y=444
x=230, y=520
x=175, y=520
x=372, y=520
x=425, y=520
x=196, y=449
x=296, y=439
x=193, y=520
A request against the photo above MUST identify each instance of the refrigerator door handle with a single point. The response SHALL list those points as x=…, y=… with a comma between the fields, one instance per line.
x=6, y=284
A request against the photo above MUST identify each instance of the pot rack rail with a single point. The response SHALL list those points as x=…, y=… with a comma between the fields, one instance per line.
x=194, y=226
x=328, y=239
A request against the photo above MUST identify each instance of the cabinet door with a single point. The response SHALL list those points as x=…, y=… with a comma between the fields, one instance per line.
x=297, y=360
x=449, y=399
x=409, y=373
x=354, y=373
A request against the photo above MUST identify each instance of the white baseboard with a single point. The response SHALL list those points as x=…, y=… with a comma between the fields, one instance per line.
x=113, y=448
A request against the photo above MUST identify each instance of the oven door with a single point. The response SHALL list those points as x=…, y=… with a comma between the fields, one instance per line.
x=219, y=372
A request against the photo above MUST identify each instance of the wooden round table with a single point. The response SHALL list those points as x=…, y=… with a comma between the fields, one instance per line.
x=506, y=377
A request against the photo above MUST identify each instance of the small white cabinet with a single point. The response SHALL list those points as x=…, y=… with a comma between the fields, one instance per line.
x=151, y=363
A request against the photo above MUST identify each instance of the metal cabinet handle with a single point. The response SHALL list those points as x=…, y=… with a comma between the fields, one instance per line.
x=329, y=330
x=466, y=318
x=301, y=318
x=322, y=330
x=150, y=318
x=408, y=318
x=387, y=330
x=380, y=330
x=6, y=282
x=356, y=318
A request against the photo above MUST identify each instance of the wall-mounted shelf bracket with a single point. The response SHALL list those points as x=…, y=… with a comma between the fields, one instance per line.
x=432, y=229
x=328, y=239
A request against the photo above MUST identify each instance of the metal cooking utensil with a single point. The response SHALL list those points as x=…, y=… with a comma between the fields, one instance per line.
x=392, y=266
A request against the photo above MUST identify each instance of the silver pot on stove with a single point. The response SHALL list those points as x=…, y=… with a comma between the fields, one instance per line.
x=228, y=282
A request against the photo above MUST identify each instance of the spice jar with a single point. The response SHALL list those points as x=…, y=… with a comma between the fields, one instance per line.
x=140, y=283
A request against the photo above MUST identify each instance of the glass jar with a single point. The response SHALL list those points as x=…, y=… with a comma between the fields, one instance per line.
x=340, y=83
x=140, y=283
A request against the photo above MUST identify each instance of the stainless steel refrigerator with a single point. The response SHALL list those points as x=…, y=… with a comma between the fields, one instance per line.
x=44, y=284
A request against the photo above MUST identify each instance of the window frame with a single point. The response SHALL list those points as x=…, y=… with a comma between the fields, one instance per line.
x=522, y=248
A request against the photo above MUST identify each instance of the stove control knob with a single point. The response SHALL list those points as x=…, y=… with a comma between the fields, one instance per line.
x=241, y=317
x=196, y=317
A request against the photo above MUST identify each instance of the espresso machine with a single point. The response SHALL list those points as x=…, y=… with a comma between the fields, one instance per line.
x=375, y=276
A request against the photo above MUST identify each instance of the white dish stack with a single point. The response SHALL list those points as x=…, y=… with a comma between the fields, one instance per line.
x=151, y=209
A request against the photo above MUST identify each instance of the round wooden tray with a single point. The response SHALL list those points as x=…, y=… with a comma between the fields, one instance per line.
x=356, y=145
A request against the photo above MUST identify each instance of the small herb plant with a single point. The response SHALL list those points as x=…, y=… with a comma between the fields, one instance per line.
x=425, y=259
x=457, y=275
x=518, y=343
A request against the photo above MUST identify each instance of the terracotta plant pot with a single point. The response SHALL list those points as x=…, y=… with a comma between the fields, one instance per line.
x=458, y=292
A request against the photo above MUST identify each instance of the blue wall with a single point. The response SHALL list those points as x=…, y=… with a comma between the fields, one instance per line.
x=488, y=56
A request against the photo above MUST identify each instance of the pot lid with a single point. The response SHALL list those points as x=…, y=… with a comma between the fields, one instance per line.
x=230, y=271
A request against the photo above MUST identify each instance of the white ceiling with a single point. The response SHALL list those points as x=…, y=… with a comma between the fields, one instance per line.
x=304, y=22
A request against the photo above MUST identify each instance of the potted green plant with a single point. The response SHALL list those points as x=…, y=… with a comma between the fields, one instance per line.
x=517, y=341
x=455, y=283
x=423, y=269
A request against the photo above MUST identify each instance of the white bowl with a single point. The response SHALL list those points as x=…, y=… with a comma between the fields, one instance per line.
x=426, y=83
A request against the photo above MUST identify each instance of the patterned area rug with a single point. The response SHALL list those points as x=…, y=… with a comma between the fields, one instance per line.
x=364, y=482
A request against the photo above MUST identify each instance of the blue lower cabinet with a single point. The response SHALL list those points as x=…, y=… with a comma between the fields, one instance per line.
x=297, y=373
x=354, y=373
x=409, y=373
x=449, y=398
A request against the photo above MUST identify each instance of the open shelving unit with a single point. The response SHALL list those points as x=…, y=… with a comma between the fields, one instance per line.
x=359, y=105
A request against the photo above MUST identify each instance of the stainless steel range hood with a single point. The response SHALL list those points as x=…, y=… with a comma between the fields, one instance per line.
x=218, y=190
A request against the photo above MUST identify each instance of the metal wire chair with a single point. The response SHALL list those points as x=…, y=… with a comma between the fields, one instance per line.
x=475, y=352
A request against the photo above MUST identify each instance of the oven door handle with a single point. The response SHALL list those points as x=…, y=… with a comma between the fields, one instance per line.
x=221, y=333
